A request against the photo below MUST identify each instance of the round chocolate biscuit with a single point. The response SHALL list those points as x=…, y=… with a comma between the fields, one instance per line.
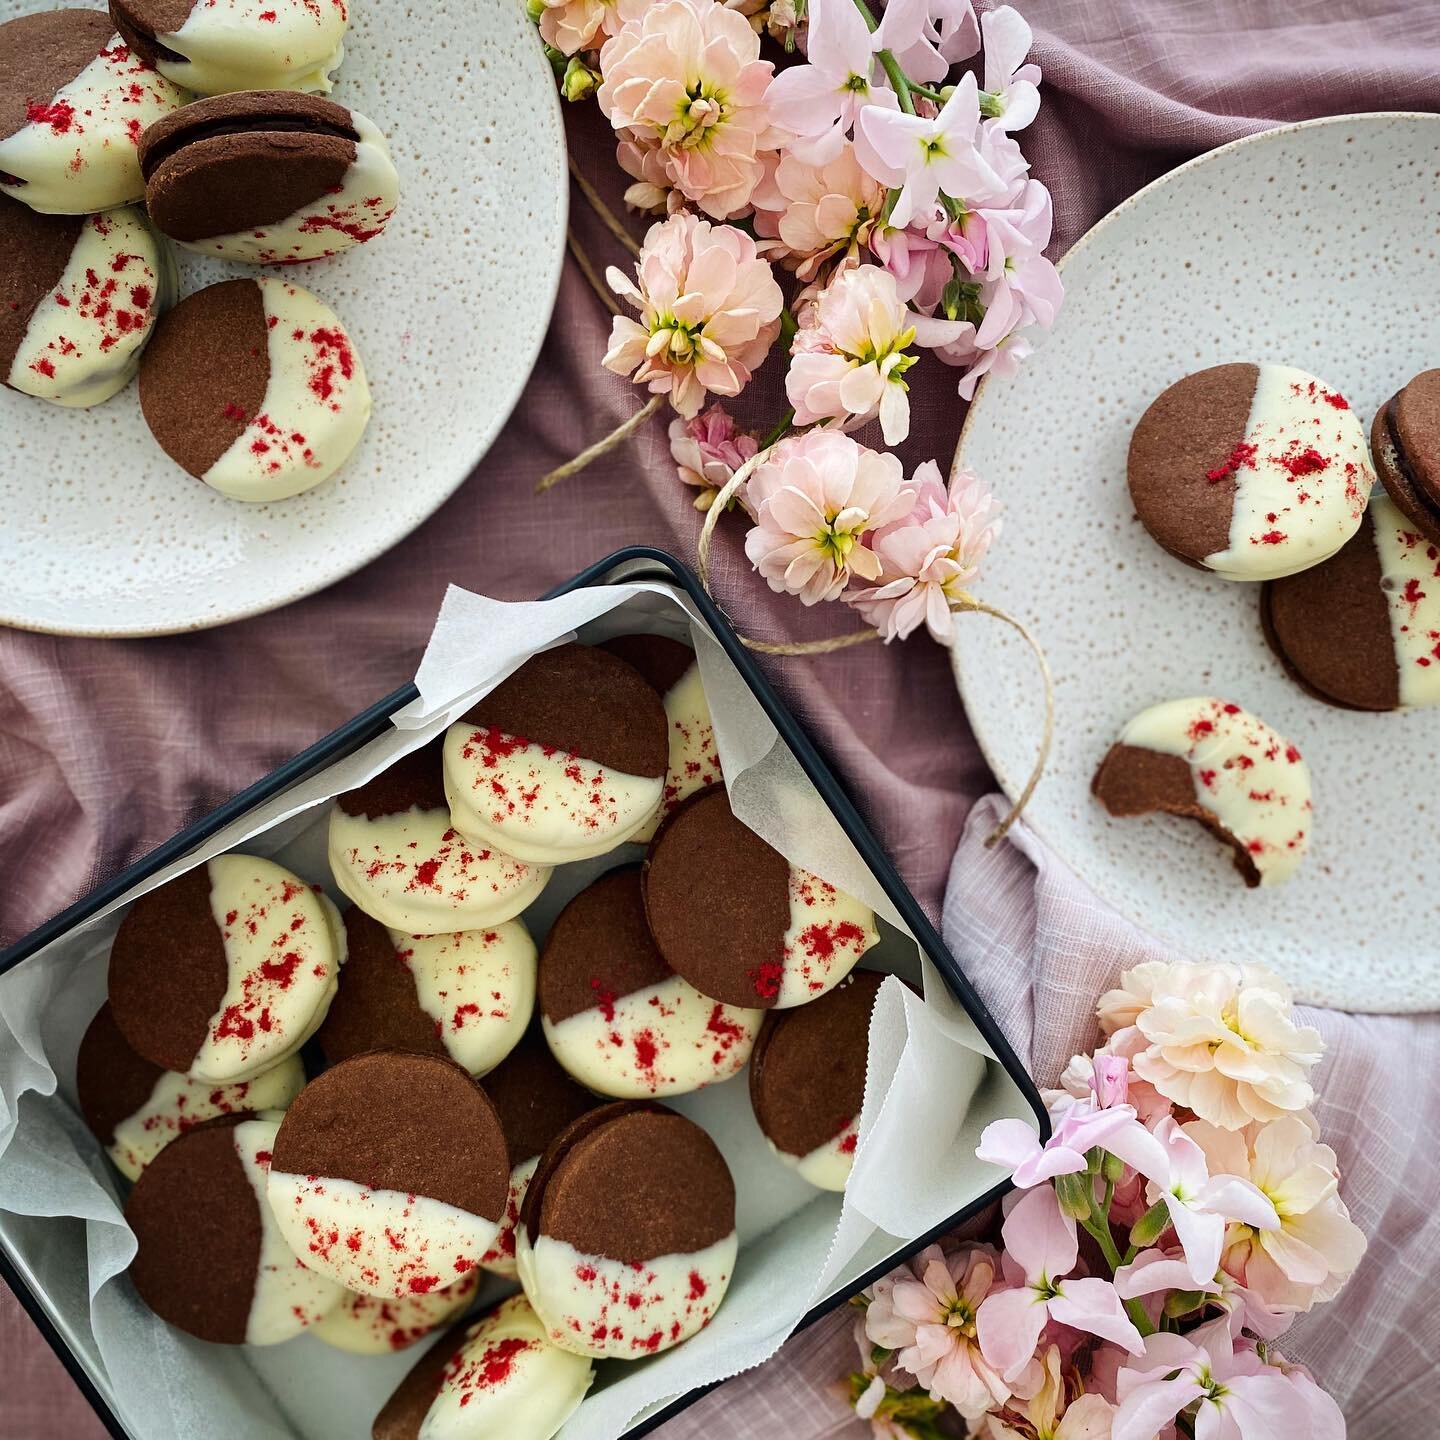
x=1397, y=475
x=1416, y=417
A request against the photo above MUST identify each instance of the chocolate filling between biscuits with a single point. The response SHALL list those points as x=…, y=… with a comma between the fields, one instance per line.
x=1403, y=465
x=156, y=155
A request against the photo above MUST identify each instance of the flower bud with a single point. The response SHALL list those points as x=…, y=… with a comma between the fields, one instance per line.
x=1112, y=1167
x=1151, y=1225
x=1179, y=1303
x=1074, y=1194
x=579, y=80
x=991, y=106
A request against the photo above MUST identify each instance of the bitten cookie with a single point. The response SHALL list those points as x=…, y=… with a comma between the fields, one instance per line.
x=617, y=1017
x=1405, y=440
x=1211, y=761
x=1362, y=630
x=627, y=1238
x=268, y=177
x=79, y=298
x=390, y=1174
x=467, y=996
x=254, y=387
x=214, y=46
x=73, y=103
x=807, y=1080
x=226, y=970
x=1252, y=471
x=394, y=853
x=497, y=1377
x=135, y=1109
x=674, y=673
x=211, y=1259
x=535, y=1100
x=564, y=760
x=741, y=923
x=368, y=1325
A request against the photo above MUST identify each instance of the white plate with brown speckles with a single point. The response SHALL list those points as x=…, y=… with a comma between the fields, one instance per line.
x=1272, y=248
x=101, y=534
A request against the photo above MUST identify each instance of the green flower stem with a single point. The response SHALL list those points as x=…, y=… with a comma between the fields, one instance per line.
x=1099, y=1227
x=891, y=65
x=778, y=433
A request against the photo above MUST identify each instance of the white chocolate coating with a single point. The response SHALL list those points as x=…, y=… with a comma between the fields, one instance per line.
x=288, y=1297
x=413, y=872
x=84, y=339
x=282, y=966
x=257, y=45
x=367, y=1325
x=1251, y=779
x=667, y=1039
x=827, y=1166
x=1303, y=477
x=507, y=1380
x=358, y=212
x=77, y=153
x=316, y=405
x=694, y=759
x=178, y=1103
x=378, y=1242
x=499, y=1259
x=478, y=986
x=537, y=803
x=1410, y=577
x=593, y=1305
x=829, y=932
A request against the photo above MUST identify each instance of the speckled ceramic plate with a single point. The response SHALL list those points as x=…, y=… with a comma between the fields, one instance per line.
x=1317, y=245
x=100, y=534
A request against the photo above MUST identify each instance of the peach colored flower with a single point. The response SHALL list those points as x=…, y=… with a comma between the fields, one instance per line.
x=816, y=211
x=573, y=25
x=687, y=75
x=709, y=312
x=652, y=193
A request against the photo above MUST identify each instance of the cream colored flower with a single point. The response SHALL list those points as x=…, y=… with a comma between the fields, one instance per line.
x=574, y=25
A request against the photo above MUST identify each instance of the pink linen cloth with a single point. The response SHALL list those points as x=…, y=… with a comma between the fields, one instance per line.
x=108, y=747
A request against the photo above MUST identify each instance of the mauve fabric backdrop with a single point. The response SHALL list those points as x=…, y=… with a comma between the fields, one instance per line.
x=108, y=747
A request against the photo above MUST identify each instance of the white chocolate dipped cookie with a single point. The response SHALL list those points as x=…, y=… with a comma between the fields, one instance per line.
x=368, y=1325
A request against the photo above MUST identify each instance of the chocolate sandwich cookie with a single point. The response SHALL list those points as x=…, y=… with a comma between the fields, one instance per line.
x=807, y=1080
x=535, y=1100
x=368, y=1325
x=671, y=668
x=390, y=1174
x=564, y=760
x=215, y=46
x=74, y=101
x=135, y=1109
x=1209, y=760
x=1405, y=440
x=617, y=1017
x=254, y=387
x=467, y=995
x=394, y=853
x=211, y=1259
x=1252, y=471
x=268, y=177
x=1362, y=630
x=627, y=1237
x=79, y=298
x=226, y=970
x=741, y=923
x=498, y=1376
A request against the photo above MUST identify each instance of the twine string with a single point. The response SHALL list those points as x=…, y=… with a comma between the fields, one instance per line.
x=617, y=436
x=587, y=269
x=607, y=216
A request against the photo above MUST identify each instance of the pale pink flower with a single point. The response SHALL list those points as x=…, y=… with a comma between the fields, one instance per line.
x=1013, y=232
x=652, y=193
x=709, y=312
x=1002, y=361
x=816, y=211
x=708, y=449
x=688, y=76
x=816, y=496
x=1080, y=1080
x=573, y=25
x=1011, y=87
x=907, y=30
x=929, y=558
x=919, y=264
x=1324, y=1418
x=1078, y=1127
x=849, y=363
x=954, y=29
x=1051, y=1413
x=829, y=91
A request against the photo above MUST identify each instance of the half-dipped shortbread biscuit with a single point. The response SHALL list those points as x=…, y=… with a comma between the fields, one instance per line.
x=226, y=970
x=617, y=1017
x=270, y=177
x=79, y=298
x=390, y=1174
x=1209, y=760
x=254, y=387
x=369, y=1325
x=498, y=1376
x=74, y=101
x=741, y=923
x=467, y=995
x=1251, y=471
x=135, y=1109
x=211, y=1259
x=215, y=46
x=1405, y=440
x=564, y=760
x=627, y=1237
x=394, y=852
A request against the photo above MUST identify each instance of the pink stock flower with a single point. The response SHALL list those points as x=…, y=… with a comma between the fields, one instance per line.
x=848, y=363
x=709, y=312
x=816, y=211
x=816, y=497
x=1078, y=1127
x=688, y=77
x=574, y=25
x=953, y=28
x=1052, y=1413
x=930, y=556
x=829, y=92
x=1085, y=1075
x=708, y=450
x=1011, y=86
